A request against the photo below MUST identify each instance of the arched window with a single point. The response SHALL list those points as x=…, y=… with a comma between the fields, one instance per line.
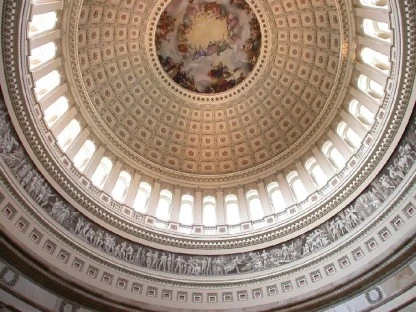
x=121, y=187
x=101, y=173
x=375, y=59
x=376, y=29
x=41, y=23
x=276, y=197
x=361, y=113
x=297, y=186
x=374, y=3
x=163, y=207
x=333, y=155
x=56, y=110
x=186, y=212
x=142, y=198
x=67, y=136
x=231, y=208
x=47, y=83
x=348, y=135
x=209, y=212
x=42, y=54
x=254, y=204
x=84, y=155
x=370, y=87
x=316, y=172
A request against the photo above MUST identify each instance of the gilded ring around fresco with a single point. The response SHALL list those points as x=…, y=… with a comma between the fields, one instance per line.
x=208, y=47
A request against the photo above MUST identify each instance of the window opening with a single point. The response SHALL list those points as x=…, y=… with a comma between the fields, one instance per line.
x=67, y=136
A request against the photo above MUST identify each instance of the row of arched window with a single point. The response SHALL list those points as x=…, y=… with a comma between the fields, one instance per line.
x=294, y=187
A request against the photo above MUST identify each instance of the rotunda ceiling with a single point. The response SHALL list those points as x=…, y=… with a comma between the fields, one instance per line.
x=208, y=47
x=209, y=88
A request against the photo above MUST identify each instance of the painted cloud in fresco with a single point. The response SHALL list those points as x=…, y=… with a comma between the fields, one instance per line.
x=208, y=47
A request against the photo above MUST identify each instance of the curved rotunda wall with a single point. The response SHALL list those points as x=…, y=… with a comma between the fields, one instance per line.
x=125, y=259
x=61, y=132
x=117, y=179
x=278, y=271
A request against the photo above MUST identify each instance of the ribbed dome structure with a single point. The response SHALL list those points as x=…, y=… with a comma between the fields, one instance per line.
x=211, y=153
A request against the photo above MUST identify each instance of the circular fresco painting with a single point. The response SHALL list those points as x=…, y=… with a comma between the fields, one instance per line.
x=208, y=47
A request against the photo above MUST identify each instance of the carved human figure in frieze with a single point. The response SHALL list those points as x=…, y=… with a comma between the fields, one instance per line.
x=129, y=253
x=63, y=215
x=99, y=238
x=163, y=262
x=44, y=194
x=149, y=256
x=178, y=265
x=26, y=180
x=340, y=224
x=79, y=225
x=56, y=208
x=109, y=243
x=32, y=184
x=386, y=184
x=138, y=255
x=26, y=167
x=285, y=252
x=352, y=216
x=85, y=229
x=169, y=263
x=209, y=266
x=204, y=266
x=89, y=236
x=155, y=260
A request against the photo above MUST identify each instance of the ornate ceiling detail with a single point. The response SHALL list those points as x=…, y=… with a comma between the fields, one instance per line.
x=149, y=118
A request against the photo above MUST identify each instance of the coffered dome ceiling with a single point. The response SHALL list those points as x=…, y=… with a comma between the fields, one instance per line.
x=209, y=88
x=291, y=114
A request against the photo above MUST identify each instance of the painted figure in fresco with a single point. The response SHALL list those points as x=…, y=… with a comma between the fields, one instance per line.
x=191, y=61
x=241, y=4
x=165, y=26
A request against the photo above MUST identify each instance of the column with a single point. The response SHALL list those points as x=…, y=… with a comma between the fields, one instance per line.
x=305, y=178
x=219, y=207
x=77, y=143
x=63, y=121
x=340, y=144
x=112, y=177
x=323, y=163
x=354, y=124
x=94, y=162
x=132, y=190
x=264, y=199
x=371, y=104
x=53, y=96
x=376, y=45
x=284, y=188
x=242, y=204
x=372, y=73
x=176, y=205
x=375, y=14
x=40, y=8
x=44, y=38
x=198, y=207
x=154, y=199
x=46, y=69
